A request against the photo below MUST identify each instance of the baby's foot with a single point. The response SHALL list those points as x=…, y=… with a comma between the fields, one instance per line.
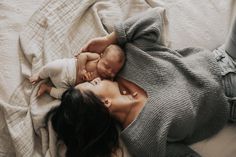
x=42, y=89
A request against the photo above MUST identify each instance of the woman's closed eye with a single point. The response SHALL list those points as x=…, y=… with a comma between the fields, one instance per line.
x=96, y=81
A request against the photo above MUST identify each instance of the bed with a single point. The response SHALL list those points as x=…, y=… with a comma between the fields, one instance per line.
x=34, y=32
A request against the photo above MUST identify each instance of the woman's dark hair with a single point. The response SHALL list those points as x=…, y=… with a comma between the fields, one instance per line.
x=85, y=125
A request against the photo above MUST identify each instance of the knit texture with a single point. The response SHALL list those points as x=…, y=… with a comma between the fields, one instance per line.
x=185, y=98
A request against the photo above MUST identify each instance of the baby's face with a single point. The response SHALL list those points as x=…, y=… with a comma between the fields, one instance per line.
x=108, y=66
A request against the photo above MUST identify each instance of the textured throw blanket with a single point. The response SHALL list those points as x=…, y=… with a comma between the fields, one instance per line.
x=58, y=29
x=187, y=19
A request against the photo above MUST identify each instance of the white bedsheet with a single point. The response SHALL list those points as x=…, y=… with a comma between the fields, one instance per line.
x=202, y=23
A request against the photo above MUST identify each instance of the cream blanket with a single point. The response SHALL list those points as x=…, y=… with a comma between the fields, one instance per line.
x=58, y=29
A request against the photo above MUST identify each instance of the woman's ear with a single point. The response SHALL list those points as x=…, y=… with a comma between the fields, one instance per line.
x=107, y=102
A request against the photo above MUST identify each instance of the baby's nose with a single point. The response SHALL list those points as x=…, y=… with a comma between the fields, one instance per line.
x=112, y=75
x=109, y=72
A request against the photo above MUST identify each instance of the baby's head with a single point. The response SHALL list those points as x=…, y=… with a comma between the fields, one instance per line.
x=112, y=60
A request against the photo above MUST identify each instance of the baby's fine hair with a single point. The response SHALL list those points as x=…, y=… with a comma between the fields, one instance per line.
x=118, y=52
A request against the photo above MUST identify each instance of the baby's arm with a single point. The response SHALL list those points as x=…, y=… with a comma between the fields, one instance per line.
x=83, y=59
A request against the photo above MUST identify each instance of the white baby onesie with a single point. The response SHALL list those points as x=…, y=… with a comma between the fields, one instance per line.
x=62, y=73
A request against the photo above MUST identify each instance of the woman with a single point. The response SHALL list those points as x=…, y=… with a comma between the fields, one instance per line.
x=163, y=99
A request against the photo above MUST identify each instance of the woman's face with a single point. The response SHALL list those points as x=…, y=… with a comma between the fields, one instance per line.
x=108, y=91
x=101, y=88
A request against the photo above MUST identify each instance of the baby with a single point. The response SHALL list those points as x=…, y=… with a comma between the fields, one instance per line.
x=87, y=66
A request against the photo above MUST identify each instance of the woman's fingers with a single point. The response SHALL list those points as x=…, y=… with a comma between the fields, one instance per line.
x=96, y=45
x=86, y=46
x=83, y=49
x=76, y=54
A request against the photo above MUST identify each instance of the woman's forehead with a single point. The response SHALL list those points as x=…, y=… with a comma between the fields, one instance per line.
x=89, y=86
x=83, y=86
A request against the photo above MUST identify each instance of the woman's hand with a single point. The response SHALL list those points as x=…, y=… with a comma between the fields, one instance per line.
x=88, y=76
x=96, y=45
x=99, y=44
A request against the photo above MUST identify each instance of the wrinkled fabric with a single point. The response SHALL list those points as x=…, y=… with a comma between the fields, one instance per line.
x=228, y=72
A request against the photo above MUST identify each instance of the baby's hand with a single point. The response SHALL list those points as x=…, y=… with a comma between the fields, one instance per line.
x=77, y=54
x=82, y=74
x=88, y=76
x=34, y=79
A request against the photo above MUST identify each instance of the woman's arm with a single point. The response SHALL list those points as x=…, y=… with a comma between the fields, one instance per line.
x=142, y=30
x=99, y=44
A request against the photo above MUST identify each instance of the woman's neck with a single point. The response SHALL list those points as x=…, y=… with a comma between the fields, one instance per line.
x=129, y=116
x=131, y=110
x=125, y=114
